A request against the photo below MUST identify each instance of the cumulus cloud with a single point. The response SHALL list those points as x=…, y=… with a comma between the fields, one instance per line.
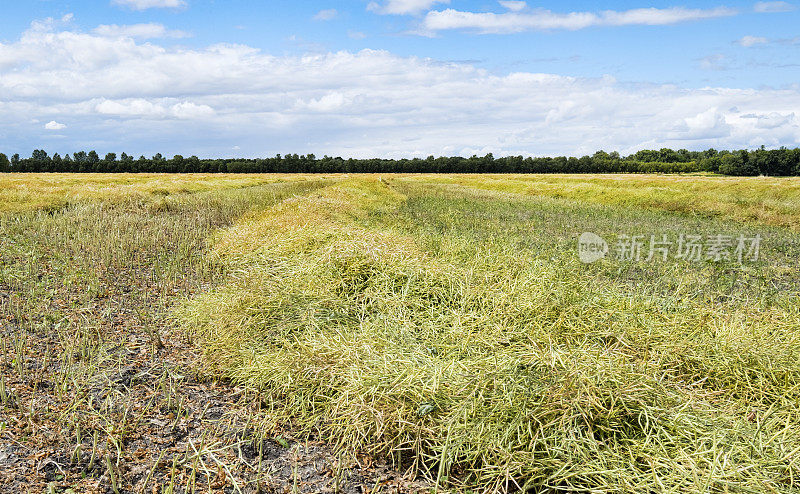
x=122, y=93
x=150, y=4
x=53, y=125
x=710, y=124
x=772, y=7
x=403, y=7
x=326, y=15
x=748, y=41
x=514, y=22
x=141, y=31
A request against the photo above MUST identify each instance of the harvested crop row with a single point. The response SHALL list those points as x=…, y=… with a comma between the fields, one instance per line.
x=491, y=373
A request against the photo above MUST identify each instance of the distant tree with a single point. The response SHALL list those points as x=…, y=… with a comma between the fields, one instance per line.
x=737, y=164
x=39, y=155
x=793, y=156
x=39, y=162
x=176, y=164
x=193, y=164
x=773, y=162
x=5, y=165
x=68, y=164
x=93, y=162
x=710, y=164
x=81, y=161
x=58, y=164
x=126, y=163
x=142, y=165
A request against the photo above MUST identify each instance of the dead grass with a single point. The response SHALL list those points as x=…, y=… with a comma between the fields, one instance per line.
x=406, y=320
x=441, y=322
x=98, y=394
x=771, y=201
x=53, y=191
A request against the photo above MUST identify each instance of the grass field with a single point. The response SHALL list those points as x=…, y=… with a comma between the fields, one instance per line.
x=769, y=200
x=442, y=322
x=53, y=191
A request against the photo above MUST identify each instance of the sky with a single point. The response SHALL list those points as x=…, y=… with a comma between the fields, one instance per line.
x=396, y=78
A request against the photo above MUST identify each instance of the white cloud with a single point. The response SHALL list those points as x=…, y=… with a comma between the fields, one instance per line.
x=326, y=15
x=330, y=102
x=190, y=111
x=710, y=124
x=660, y=17
x=53, y=125
x=513, y=5
x=748, y=41
x=202, y=101
x=130, y=107
x=150, y=4
x=772, y=7
x=141, y=31
x=158, y=109
x=403, y=7
x=356, y=35
x=513, y=22
x=716, y=61
x=773, y=120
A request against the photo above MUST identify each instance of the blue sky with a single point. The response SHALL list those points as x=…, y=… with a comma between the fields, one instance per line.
x=396, y=77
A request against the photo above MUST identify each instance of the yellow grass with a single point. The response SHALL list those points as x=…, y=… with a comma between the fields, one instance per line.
x=772, y=201
x=24, y=192
x=454, y=331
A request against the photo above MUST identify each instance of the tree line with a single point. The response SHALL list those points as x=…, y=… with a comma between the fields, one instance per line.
x=773, y=162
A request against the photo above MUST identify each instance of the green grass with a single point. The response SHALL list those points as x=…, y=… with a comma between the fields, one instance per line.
x=454, y=330
x=773, y=201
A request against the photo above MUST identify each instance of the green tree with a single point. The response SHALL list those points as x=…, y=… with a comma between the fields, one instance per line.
x=738, y=164
x=58, y=164
x=92, y=161
x=81, y=161
x=69, y=165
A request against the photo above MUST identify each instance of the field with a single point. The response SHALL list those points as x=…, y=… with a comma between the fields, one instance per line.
x=385, y=333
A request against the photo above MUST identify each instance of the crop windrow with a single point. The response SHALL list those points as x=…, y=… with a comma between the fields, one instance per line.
x=392, y=319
